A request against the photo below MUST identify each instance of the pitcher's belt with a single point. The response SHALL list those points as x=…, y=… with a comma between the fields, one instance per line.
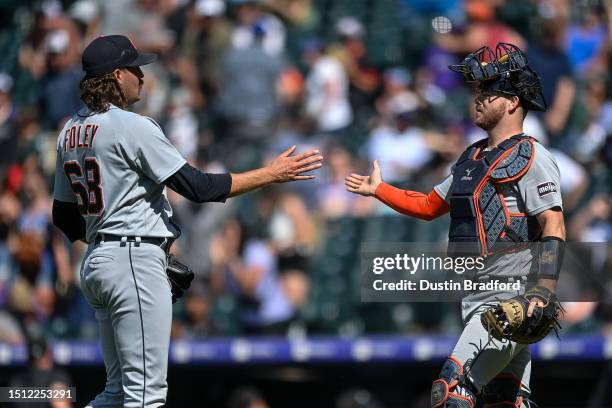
x=158, y=241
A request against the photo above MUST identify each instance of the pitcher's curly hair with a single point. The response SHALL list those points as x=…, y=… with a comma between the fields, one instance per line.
x=100, y=91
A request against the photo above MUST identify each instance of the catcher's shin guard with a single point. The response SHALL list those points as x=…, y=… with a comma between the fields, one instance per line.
x=504, y=391
x=451, y=390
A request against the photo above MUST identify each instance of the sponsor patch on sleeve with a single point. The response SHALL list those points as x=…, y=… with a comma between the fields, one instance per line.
x=546, y=188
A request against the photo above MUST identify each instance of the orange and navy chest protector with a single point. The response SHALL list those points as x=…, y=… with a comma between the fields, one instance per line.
x=479, y=215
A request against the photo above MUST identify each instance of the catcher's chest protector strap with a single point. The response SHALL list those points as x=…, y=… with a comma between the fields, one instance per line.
x=477, y=208
x=450, y=390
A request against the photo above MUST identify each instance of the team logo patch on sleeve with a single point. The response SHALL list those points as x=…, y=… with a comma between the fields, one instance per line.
x=546, y=188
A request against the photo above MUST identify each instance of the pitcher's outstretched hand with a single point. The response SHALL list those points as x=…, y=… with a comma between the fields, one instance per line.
x=286, y=167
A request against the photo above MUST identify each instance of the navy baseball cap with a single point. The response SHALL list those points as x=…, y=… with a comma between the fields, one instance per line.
x=108, y=53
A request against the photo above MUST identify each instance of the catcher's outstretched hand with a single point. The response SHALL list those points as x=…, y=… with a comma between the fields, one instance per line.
x=286, y=167
x=364, y=185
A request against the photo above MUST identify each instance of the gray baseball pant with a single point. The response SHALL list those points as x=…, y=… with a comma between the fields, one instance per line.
x=484, y=357
x=126, y=284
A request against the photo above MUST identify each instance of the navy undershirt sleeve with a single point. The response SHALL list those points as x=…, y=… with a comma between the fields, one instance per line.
x=200, y=187
x=68, y=219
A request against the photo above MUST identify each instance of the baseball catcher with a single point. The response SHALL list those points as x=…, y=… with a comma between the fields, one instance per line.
x=504, y=204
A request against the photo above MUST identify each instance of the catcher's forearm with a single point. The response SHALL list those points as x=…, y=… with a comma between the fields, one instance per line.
x=250, y=180
x=412, y=203
x=550, y=258
x=552, y=247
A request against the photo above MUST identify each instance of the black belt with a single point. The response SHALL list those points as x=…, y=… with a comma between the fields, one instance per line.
x=160, y=242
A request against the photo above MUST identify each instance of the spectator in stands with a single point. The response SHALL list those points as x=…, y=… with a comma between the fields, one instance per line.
x=586, y=40
x=59, y=86
x=432, y=97
x=550, y=61
x=594, y=222
x=86, y=15
x=205, y=40
x=249, y=14
x=31, y=295
x=401, y=149
x=289, y=222
x=351, y=51
x=30, y=137
x=196, y=318
x=47, y=17
x=36, y=214
x=292, y=231
x=32, y=291
x=327, y=89
x=333, y=199
x=590, y=133
x=8, y=121
x=10, y=330
x=397, y=95
x=180, y=124
x=574, y=178
x=481, y=29
x=248, y=101
x=299, y=13
x=9, y=212
x=248, y=268
x=40, y=371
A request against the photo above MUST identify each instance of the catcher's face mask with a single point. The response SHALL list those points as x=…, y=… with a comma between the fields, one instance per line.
x=504, y=70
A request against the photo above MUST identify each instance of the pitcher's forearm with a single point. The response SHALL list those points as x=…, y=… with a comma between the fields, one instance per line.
x=250, y=180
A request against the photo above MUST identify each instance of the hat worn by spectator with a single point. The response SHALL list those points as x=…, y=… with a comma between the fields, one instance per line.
x=108, y=53
x=84, y=11
x=57, y=41
x=350, y=27
x=209, y=8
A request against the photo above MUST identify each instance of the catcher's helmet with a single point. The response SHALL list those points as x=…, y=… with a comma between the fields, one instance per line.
x=507, y=71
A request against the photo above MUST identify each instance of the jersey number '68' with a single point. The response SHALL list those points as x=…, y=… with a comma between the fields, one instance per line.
x=89, y=195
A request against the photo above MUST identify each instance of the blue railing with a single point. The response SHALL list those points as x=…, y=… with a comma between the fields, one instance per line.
x=313, y=350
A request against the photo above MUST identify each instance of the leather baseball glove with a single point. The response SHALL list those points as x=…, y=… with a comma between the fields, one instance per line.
x=509, y=319
x=179, y=276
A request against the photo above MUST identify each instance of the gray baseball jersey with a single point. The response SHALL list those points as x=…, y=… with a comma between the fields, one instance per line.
x=113, y=165
x=485, y=358
x=537, y=191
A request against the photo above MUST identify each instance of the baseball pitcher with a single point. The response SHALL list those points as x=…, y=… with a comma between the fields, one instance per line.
x=112, y=170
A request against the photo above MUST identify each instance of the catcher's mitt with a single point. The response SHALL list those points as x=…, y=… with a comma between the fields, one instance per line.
x=509, y=319
x=179, y=276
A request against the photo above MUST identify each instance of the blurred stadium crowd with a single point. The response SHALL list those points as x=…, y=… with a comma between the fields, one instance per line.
x=240, y=80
